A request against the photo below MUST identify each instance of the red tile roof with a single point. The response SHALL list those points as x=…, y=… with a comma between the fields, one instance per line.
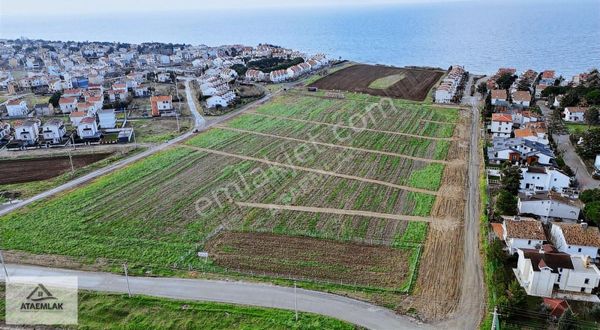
x=502, y=117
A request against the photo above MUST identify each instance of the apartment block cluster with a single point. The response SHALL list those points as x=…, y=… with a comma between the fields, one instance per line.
x=448, y=89
x=557, y=254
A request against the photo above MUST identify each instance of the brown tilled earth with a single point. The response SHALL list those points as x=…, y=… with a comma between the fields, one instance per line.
x=357, y=78
x=26, y=170
x=438, y=287
x=304, y=257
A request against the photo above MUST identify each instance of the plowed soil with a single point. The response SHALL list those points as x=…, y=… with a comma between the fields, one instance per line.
x=304, y=257
x=414, y=86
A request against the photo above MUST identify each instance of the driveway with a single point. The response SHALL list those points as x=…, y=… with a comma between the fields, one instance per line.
x=573, y=160
x=263, y=295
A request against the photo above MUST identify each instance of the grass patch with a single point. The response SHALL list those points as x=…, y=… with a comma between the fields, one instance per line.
x=423, y=203
x=429, y=177
x=387, y=82
x=114, y=311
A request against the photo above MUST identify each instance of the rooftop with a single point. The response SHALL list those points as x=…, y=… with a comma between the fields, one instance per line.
x=499, y=94
x=576, y=234
x=525, y=229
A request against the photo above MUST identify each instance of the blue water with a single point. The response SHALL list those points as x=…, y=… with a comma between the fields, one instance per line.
x=563, y=35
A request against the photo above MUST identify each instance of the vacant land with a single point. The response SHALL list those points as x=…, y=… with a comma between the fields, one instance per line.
x=158, y=130
x=411, y=84
x=113, y=311
x=35, y=169
x=283, y=191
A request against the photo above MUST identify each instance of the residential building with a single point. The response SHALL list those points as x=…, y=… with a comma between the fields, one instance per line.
x=520, y=233
x=539, y=271
x=502, y=124
x=43, y=109
x=521, y=99
x=548, y=78
x=107, y=118
x=535, y=178
x=27, y=131
x=53, y=131
x=499, y=97
x=447, y=88
x=4, y=131
x=160, y=104
x=76, y=117
x=519, y=150
x=532, y=134
x=67, y=104
x=575, y=114
x=17, y=108
x=255, y=75
x=576, y=239
x=88, y=128
x=549, y=205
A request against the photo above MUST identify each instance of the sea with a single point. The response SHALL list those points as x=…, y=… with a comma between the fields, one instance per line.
x=562, y=35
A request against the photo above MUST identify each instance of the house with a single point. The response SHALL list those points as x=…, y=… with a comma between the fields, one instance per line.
x=549, y=205
x=53, y=131
x=160, y=104
x=77, y=116
x=534, y=179
x=67, y=104
x=520, y=233
x=17, y=108
x=548, y=78
x=539, y=271
x=499, y=97
x=107, y=118
x=519, y=150
x=576, y=239
x=141, y=91
x=255, y=75
x=163, y=77
x=88, y=128
x=446, y=91
x=521, y=99
x=533, y=134
x=575, y=114
x=502, y=124
x=27, y=131
x=278, y=76
x=87, y=107
x=72, y=92
x=117, y=95
x=43, y=109
x=557, y=307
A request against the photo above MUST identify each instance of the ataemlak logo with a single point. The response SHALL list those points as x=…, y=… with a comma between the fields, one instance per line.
x=43, y=300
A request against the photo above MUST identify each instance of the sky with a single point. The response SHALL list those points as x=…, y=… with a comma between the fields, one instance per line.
x=67, y=7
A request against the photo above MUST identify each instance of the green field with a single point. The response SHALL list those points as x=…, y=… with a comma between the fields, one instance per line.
x=159, y=212
x=387, y=82
x=111, y=311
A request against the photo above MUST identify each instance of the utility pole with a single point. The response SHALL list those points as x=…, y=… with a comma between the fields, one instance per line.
x=127, y=279
x=295, y=301
x=4, y=266
x=71, y=161
x=496, y=320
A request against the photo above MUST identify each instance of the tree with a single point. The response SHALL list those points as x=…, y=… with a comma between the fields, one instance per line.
x=482, y=88
x=567, y=321
x=516, y=295
x=571, y=98
x=592, y=116
x=591, y=143
x=511, y=179
x=590, y=195
x=55, y=98
x=506, y=203
x=523, y=85
x=591, y=212
x=505, y=80
x=593, y=97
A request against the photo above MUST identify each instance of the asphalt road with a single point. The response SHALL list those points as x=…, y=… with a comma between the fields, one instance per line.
x=351, y=310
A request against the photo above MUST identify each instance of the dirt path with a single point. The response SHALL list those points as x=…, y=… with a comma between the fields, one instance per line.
x=308, y=169
x=350, y=127
x=436, y=121
x=334, y=145
x=328, y=210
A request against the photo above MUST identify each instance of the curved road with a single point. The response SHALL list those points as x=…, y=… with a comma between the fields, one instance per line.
x=271, y=296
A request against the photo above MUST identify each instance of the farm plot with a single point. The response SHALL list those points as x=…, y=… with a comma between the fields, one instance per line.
x=377, y=192
x=382, y=81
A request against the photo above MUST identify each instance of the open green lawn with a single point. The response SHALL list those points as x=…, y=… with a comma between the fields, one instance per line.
x=112, y=311
x=387, y=82
x=158, y=213
x=574, y=128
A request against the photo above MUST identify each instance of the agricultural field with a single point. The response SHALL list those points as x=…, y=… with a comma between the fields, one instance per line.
x=405, y=83
x=343, y=195
x=35, y=169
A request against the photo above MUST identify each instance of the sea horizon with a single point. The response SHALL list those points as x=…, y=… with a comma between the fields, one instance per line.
x=480, y=36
